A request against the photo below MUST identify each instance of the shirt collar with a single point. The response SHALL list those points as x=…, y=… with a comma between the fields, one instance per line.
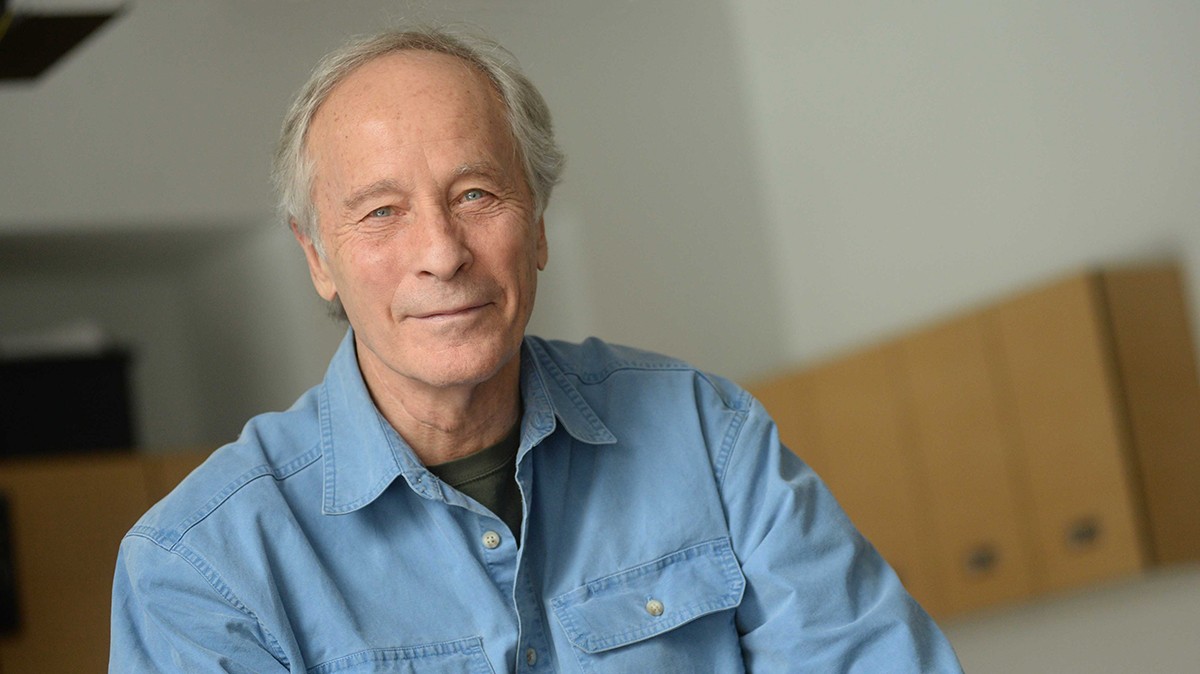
x=363, y=454
x=549, y=395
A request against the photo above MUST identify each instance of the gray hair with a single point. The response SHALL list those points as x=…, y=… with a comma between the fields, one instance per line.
x=526, y=111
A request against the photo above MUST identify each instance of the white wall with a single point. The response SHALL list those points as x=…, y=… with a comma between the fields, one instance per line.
x=750, y=183
x=922, y=156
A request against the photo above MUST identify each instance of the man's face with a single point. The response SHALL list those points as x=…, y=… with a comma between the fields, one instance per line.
x=426, y=220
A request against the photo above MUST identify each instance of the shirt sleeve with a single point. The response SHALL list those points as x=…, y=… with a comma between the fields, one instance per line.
x=168, y=616
x=818, y=596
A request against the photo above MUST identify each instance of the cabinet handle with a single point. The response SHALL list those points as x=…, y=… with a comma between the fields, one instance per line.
x=982, y=559
x=1083, y=533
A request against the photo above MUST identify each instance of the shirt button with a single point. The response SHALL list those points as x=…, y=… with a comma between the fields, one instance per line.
x=530, y=657
x=654, y=607
x=491, y=540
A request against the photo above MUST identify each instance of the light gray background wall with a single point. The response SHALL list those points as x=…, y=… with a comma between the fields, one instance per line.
x=751, y=184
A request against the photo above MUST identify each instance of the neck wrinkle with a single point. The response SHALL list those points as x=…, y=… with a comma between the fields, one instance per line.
x=444, y=424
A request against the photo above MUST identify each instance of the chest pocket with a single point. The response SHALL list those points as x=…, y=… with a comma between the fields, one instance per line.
x=447, y=657
x=671, y=614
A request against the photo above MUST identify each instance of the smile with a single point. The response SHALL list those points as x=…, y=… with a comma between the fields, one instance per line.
x=450, y=314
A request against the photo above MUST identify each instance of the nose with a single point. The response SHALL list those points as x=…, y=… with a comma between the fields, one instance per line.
x=442, y=251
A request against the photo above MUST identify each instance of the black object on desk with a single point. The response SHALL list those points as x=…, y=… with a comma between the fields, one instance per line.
x=52, y=404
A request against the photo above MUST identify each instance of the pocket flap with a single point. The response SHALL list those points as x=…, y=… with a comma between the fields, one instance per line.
x=651, y=598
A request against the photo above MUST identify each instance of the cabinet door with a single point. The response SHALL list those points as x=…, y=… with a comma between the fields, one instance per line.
x=1063, y=405
x=965, y=458
x=166, y=470
x=1148, y=313
x=68, y=517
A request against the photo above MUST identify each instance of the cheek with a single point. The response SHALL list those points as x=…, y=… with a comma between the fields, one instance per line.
x=367, y=273
x=529, y=278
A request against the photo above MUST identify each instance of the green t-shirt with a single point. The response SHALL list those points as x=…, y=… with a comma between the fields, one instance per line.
x=490, y=477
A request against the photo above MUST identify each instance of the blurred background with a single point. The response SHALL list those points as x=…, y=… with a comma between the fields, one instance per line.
x=751, y=184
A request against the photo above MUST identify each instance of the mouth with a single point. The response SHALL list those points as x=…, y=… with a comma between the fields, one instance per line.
x=449, y=314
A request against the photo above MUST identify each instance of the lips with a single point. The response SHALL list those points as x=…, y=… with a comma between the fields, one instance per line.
x=447, y=313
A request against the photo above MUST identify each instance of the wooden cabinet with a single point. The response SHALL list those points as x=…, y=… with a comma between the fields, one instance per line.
x=1046, y=442
x=67, y=517
x=958, y=442
x=1064, y=411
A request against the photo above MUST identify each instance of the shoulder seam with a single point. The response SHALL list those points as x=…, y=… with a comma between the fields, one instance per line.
x=169, y=538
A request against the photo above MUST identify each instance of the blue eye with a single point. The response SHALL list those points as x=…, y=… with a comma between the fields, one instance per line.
x=381, y=212
x=473, y=195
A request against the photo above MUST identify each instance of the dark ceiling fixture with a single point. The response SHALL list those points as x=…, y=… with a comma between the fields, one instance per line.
x=32, y=41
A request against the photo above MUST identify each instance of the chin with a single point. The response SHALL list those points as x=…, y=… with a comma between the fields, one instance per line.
x=470, y=366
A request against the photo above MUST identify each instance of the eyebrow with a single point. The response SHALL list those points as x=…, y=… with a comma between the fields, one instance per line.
x=375, y=189
x=482, y=169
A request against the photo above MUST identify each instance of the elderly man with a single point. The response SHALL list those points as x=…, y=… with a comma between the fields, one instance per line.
x=459, y=497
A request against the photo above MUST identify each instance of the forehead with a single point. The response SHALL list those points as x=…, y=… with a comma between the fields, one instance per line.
x=412, y=92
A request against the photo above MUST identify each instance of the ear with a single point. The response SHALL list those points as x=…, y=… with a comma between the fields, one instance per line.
x=543, y=252
x=318, y=267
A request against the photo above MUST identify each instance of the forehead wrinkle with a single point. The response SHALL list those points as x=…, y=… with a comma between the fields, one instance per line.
x=362, y=109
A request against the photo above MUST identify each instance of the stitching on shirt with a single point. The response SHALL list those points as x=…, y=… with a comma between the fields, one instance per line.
x=597, y=426
x=297, y=464
x=214, y=579
x=718, y=550
x=169, y=538
x=598, y=377
x=739, y=403
x=690, y=552
x=732, y=435
x=542, y=401
x=665, y=365
x=206, y=571
x=329, y=483
x=238, y=484
x=373, y=493
x=612, y=365
x=332, y=507
x=581, y=405
x=469, y=646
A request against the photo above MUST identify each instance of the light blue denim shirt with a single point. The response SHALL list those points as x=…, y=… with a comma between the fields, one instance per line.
x=667, y=530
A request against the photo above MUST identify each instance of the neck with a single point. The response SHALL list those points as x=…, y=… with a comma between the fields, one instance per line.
x=446, y=423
